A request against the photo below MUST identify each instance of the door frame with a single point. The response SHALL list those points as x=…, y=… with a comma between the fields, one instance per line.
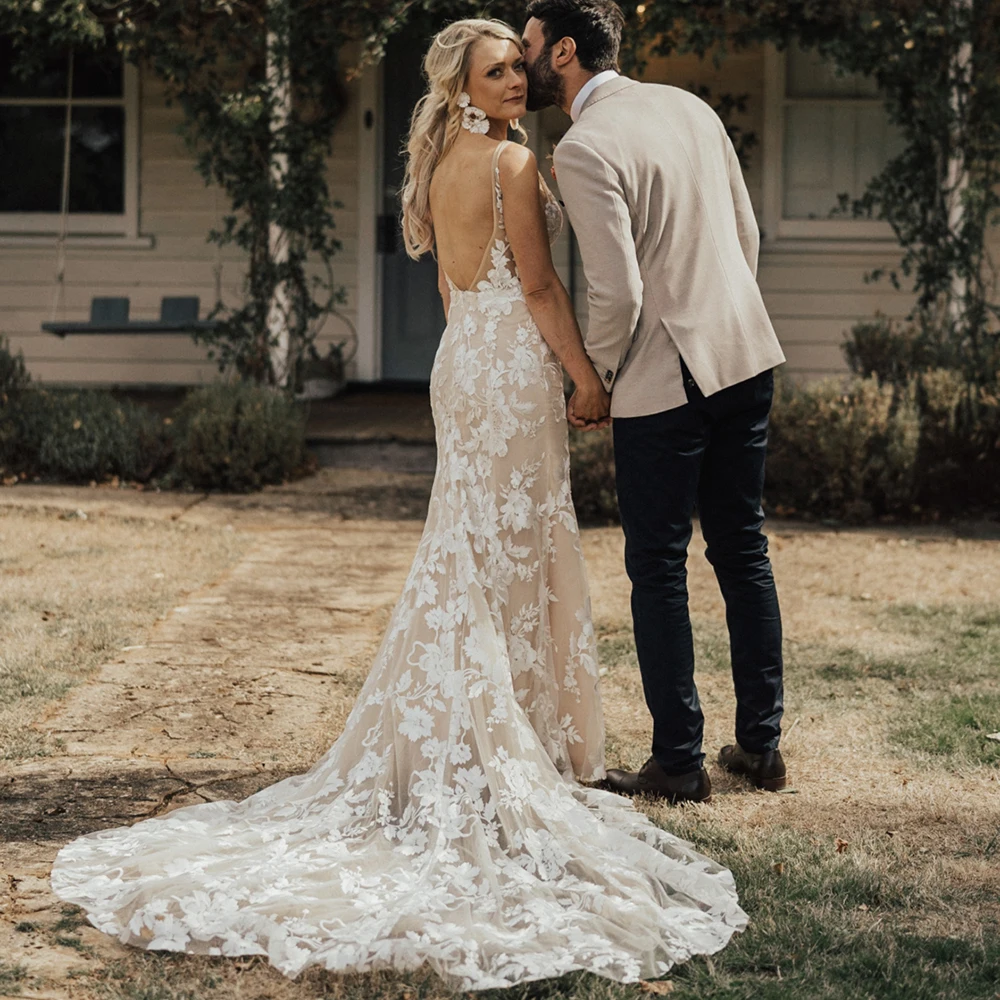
x=368, y=362
x=371, y=145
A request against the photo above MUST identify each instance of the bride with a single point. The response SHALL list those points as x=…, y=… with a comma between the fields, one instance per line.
x=448, y=824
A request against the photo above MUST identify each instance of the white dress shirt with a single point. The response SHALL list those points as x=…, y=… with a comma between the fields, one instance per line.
x=587, y=89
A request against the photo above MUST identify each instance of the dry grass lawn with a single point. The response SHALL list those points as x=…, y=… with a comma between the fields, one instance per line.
x=74, y=590
x=876, y=877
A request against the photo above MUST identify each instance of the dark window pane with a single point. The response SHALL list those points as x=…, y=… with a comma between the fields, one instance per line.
x=31, y=156
x=97, y=74
x=48, y=81
x=97, y=160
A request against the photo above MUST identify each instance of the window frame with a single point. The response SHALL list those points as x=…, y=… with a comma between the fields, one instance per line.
x=88, y=224
x=843, y=233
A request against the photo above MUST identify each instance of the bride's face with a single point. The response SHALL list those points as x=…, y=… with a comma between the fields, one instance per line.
x=496, y=80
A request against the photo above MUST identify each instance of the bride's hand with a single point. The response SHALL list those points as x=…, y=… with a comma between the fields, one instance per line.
x=589, y=407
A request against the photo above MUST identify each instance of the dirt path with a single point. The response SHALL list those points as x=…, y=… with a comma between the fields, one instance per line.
x=231, y=692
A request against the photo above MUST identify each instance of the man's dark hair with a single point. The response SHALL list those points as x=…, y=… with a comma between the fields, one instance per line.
x=595, y=26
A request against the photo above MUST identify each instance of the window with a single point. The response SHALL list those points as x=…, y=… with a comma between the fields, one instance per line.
x=825, y=134
x=97, y=97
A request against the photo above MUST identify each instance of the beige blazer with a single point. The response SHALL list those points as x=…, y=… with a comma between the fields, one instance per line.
x=669, y=243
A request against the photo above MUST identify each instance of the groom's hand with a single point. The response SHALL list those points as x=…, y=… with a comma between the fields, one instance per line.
x=589, y=408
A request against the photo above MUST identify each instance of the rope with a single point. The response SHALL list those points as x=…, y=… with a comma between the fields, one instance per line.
x=64, y=196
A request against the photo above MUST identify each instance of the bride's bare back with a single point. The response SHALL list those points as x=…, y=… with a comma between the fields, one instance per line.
x=462, y=208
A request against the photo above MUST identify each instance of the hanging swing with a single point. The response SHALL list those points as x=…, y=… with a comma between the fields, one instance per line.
x=178, y=314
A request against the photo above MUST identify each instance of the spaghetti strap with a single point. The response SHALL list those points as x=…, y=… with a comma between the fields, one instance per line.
x=501, y=146
x=497, y=193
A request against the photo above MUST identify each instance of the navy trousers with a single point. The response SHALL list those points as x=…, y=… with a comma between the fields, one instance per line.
x=709, y=454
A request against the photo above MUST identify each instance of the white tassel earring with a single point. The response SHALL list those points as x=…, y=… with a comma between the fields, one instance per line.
x=474, y=119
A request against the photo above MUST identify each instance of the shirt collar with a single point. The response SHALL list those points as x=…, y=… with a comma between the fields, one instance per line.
x=587, y=89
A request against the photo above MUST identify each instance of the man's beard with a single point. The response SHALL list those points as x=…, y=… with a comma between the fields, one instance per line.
x=545, y=86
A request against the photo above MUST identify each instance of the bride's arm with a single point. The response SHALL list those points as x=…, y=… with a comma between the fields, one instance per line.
x=545, y=295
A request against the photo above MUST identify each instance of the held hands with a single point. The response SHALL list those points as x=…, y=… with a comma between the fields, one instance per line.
x=589, y=407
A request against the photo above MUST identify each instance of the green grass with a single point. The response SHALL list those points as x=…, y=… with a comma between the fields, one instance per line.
x=153, y=978
x=959, y=644
x=812, y=959
x=952, y=646
x=11, y=977
x=851, y=665
x=836, y=926
x=24, y=681
x=73, y=942
x=71, y=919
x=954, y=727
x=873, y=922
x=616, y=648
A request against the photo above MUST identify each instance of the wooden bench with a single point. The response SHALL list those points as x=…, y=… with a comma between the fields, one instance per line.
x=178, y=314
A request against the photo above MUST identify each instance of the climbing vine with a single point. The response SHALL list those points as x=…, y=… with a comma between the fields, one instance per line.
x=937, y=65
x=261, y=86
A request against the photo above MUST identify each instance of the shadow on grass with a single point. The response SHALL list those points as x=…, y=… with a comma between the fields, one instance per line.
x=837, y=926
x=389, y=502
x=38, y=806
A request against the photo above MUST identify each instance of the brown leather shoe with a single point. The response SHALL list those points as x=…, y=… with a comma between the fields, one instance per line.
x=652, y=780
x=765, y=770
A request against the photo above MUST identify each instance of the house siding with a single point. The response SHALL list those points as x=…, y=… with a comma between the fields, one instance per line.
x=813, y=295
x=177, y=210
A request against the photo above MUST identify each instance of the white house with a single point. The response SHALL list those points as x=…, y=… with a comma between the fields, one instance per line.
x=139, y=215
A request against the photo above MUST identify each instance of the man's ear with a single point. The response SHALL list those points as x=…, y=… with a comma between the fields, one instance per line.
x=563, y=52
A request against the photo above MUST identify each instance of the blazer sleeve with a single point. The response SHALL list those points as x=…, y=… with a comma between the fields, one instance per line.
x=746, y=221
x=599, y=213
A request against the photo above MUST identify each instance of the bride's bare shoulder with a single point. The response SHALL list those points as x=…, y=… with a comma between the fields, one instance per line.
x=518, y=168
x=516, y=158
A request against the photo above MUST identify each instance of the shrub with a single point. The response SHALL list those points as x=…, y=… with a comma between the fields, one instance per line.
x=235, y=436
x=842, y=448
x=78, y=436
x=955, y=384
x=14, y=378
x=896, y=350
x=592, y=468
x=892, y=351
x=856, y=448
x=958, y=467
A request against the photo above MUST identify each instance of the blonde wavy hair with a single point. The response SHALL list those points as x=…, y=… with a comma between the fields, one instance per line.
x=437, y=119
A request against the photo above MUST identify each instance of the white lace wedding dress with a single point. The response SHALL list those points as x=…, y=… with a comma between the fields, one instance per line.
x=445, y=825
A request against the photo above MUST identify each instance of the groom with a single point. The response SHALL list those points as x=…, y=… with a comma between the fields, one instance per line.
x=680, y=336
